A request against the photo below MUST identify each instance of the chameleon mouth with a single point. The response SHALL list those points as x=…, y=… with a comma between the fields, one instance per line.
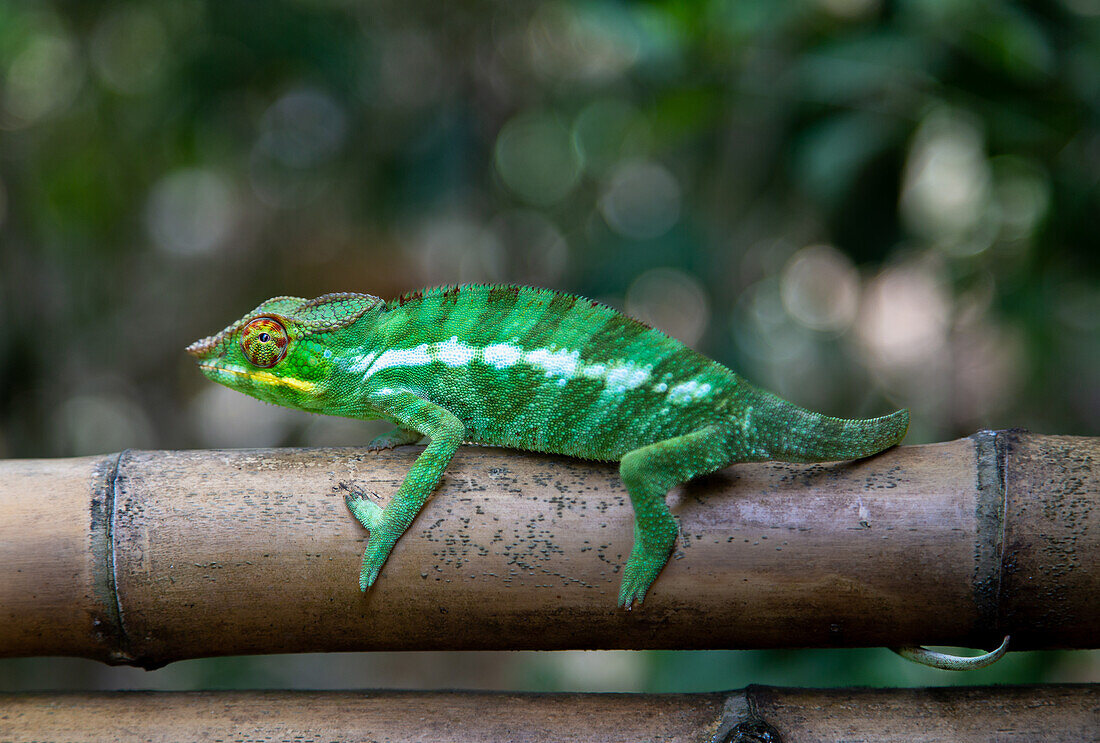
x=220, y=373
x=260, y=376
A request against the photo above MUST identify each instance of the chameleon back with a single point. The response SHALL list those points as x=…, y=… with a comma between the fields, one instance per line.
x=541, y=370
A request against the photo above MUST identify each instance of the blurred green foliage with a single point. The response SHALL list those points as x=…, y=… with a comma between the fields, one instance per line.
x=861, y=204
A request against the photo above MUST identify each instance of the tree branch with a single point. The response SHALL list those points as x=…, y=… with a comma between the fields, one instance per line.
x=1050, y=713
x=152, y=556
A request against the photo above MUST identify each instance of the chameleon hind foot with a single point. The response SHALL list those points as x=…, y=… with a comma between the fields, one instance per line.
x=640, y=572
x=649, y=473
x=948, y=662
x=648, y=557
x=378, y=550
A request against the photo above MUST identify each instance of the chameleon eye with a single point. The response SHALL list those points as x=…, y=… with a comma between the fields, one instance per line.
x=264, y=342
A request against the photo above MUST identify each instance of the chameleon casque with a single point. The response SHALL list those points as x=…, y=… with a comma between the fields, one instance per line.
x=531, y=369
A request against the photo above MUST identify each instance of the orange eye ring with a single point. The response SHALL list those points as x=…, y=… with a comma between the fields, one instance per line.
x=264, y=342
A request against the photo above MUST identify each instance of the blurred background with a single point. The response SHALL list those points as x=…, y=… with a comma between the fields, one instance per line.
x=859, y=204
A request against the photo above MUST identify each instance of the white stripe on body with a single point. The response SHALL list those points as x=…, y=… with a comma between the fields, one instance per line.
x=617, y=377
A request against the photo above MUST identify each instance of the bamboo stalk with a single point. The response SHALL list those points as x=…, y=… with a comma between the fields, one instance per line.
x=1047, y=713
x=152, y=556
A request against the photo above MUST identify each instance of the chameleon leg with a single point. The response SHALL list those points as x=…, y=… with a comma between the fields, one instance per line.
x=397, y=437
x=649, y=473
x=413, y=413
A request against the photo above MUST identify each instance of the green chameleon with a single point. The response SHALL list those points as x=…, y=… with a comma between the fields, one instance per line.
x=530, y=369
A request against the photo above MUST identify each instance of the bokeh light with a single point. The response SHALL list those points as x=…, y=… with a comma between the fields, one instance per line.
x=946, y=185
x=905, y=316
x=640, y=199
x=764, y=330
x=608, y=131
x=536, y=158
x=303, y=128
x=672, y=301
x=128, y=48
x=1022, y=194
x=42, y=80
x=409, y=73
x=820, y=288
x=299, y=132
x=454, y=248
x=191, y=211
x=1083, y=7
x=591, y=42
x=989, y=367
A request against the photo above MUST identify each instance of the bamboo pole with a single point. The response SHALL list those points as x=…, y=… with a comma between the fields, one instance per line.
x=152, y=556
x=1049, y=713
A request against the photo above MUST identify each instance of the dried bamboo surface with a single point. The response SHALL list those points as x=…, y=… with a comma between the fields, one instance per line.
x=152, y=556
x=1020, y=714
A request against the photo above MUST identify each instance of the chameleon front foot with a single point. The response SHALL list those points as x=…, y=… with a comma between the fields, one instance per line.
x=366, y=512
x=369, y=514
x=396, y=437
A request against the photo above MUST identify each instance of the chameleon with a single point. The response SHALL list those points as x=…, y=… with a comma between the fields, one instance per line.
x=526, y=368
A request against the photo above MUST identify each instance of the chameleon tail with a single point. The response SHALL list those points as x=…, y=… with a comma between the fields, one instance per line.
x=792, y=434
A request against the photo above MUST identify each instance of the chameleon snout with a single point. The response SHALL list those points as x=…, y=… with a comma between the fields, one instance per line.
x=204, y=348
x=199, y=348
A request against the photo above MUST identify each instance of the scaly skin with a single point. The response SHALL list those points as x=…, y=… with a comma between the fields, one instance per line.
x=947, y=662
x=530, y=369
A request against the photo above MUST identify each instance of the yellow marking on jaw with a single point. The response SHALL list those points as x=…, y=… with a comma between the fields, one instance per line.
x=266, y=377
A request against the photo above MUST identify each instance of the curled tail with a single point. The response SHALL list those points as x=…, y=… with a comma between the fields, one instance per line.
x=789, y=433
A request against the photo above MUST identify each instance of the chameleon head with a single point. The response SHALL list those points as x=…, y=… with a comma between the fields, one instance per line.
x=281, y=352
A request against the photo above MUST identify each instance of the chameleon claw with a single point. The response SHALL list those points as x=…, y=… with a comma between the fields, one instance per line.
x=366, y=581
x=630, y=596
x=948, y=662
x=627, y=601
x=351, y=490
x=638, y=576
